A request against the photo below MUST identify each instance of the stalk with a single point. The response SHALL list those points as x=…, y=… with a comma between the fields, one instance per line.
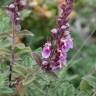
x=12, y=55
x=13, y=10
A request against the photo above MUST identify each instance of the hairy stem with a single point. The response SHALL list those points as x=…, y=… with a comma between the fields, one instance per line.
x=12, y=56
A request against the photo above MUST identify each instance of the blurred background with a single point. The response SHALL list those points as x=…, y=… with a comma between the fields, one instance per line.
x=40, y=18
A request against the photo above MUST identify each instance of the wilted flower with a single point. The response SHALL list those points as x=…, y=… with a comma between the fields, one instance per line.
x=55, y=54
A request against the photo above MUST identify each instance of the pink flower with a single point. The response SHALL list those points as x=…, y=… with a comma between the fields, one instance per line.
x=62, y=41
x=13, y=11
x=66, y=44
x=54, y=31
x=46, y=50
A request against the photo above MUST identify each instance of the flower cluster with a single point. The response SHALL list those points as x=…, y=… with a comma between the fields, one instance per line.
x=55, y=52
x=14, y=12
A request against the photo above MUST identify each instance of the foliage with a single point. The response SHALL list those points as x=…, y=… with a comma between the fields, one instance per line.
x=78, y=79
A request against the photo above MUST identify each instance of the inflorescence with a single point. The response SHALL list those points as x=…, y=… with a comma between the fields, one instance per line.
x=55, y=51
x=13, y=11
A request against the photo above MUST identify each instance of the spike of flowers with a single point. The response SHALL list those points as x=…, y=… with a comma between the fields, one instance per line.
x=14, y=12
x=55, y=52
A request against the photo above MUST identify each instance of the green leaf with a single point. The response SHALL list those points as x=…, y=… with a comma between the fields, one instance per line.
x=37, y=57
x=24, y=33
x=84, y=85
x=5, y=90
x=4, y=27
x=4, y=2
x=20, y=70
x=84, y=93
x=25, y=13
x=20, y=45
x=3, y=78
x=5, y=53
x=64, y=89
x=91, y=80
x=5, y=43
x=38, y=50
x=24, y=50
x=3, y=34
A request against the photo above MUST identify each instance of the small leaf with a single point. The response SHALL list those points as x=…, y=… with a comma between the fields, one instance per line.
x=24, y=33
x=3, y=50
x=3, y=34
x=52, y=75
x=84, y=93
x=20, y=45
x=38, y=50
x=24, y=50
x=25, y=13
x=84, y=85
x=5, y=53
x=91, y=80
x=3, y=78
x=21, y=70
x=37, y=57
x=5, y=90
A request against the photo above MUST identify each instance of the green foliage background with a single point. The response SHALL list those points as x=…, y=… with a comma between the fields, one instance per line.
x=78, y=79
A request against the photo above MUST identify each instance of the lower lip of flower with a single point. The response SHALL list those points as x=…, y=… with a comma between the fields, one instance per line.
x=46, y=52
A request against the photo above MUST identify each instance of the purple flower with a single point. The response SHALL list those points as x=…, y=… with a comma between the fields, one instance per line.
x=14, y=12
x=69, y=1
x=69, y=43
x=20, y=4
x=46, y=50
x=54, y=31
x=66, y=44
x=55, y=54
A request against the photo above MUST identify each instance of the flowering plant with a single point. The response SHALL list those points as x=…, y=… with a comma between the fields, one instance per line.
x=54, y=54
x=21, y=71
x=55, y=51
